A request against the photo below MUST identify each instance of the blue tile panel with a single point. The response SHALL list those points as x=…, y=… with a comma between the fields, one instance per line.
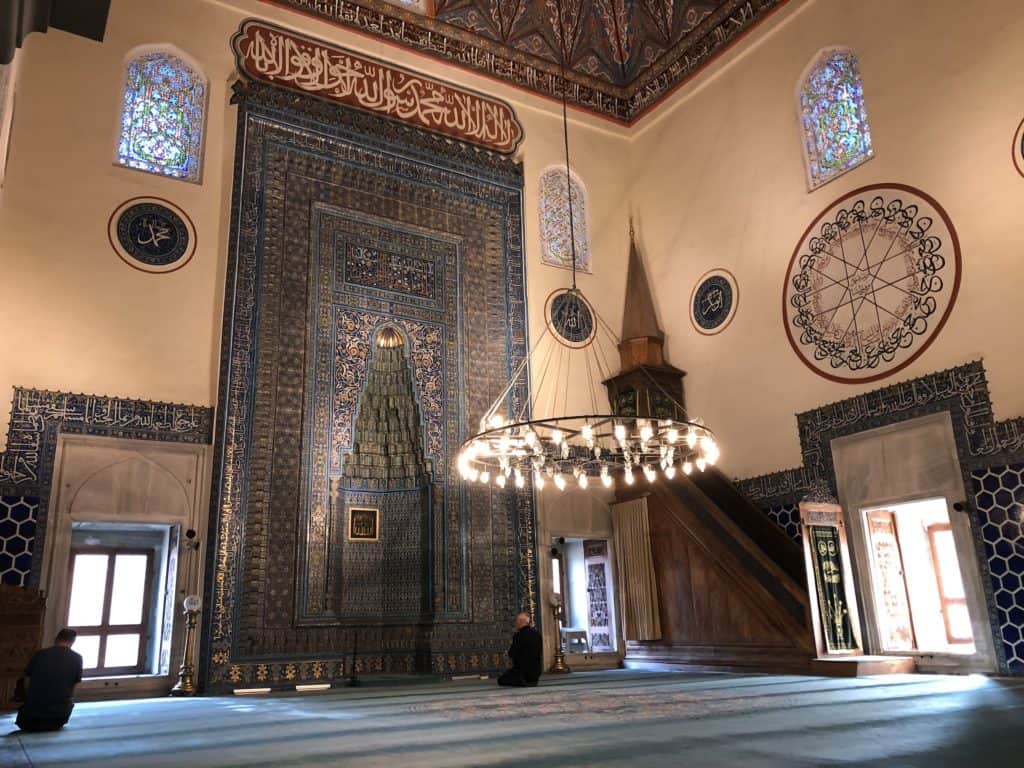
x=17, y=536
x=787, y=517
x=999, y=499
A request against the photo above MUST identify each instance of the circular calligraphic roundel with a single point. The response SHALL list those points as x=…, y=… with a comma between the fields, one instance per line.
x=1018, y=148
x=151, y=234
x=570, y=318
x=871, y=283
x=713, y=302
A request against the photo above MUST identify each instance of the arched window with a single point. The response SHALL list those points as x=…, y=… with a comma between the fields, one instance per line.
x=556, y=248
x=162, y=116
x=836, y=135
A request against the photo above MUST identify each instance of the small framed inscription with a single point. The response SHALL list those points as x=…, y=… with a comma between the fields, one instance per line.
x=363, y=524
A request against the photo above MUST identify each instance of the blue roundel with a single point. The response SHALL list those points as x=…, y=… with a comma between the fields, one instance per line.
x=712, y=303
x=571, y=318
x=152, y=234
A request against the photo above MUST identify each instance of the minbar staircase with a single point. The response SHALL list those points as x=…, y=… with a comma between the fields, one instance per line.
x=731, y=586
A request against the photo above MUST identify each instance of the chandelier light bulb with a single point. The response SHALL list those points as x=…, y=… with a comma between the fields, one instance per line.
x=672, y=436
x=649, y=473
x=520, y=480
x=687, y=467
x=620, y=432
x=629, y=476
x=538, y=480
x=500, y=480
x=530, y=437
x=556, y=436
x=560, y=482
x=473, y=475
x=701, y=464
x=496, y=422
x=588, y=433
x=485, y=477
x=583, y=480
x=691, y=438
x=646, y=433
x=606, y=479
x=670, y=472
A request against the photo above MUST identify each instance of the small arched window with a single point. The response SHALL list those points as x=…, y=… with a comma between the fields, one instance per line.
x=162, y=116
x=836, y=135
x=556, y=244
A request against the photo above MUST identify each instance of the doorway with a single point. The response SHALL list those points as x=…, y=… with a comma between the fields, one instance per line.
x=915, y=560
x=918, y=588
x=581, y=575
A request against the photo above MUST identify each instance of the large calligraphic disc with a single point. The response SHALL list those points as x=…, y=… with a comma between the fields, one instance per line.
x=713, y=302
x=871, y=283
x=151, y=234
x=570, y=318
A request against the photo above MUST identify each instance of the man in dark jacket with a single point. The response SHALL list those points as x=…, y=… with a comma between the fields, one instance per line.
x=50, y=678
x=526, y=653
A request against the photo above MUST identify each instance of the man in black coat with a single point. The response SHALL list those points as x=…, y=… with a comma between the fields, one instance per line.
x=50, y=678
x=527, y=655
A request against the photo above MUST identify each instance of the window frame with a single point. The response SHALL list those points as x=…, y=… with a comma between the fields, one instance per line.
x=105, y=629
x=170, y=51
x=822, y=57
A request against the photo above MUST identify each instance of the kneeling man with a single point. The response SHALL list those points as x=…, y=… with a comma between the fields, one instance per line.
x=526, y=653
x=50, y=678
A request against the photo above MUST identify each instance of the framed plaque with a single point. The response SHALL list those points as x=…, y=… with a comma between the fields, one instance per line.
x=363, y=524
x=829, y=580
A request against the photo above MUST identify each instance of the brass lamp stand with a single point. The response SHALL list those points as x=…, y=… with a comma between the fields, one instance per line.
x=186, y=675
x=558, y=666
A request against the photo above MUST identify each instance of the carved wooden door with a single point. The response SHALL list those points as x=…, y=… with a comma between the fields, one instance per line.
x=895, y=624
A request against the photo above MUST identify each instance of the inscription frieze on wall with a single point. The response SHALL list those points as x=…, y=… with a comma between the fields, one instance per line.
x=963, y=390
x=278, y=56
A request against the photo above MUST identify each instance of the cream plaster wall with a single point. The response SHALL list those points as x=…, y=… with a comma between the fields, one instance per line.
x=75, y=317
x=718, y=181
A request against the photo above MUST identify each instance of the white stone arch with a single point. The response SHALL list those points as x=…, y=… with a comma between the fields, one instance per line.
x=820, y=169
x=552, y=206
x=193, y=172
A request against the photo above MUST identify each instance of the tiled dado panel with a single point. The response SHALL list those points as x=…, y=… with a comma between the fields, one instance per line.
x=26, y=467
x=17, y=533
x=787, y=517
x=985, y=448
x=999, y=500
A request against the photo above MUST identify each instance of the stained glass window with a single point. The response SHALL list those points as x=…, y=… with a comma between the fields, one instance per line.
x=162, y=118
x=835, y=122
x=556, y=248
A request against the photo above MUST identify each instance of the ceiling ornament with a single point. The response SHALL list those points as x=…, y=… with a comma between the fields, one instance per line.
x=544, y=441
x=622, y=56
x=284, y=58
x=871, y=283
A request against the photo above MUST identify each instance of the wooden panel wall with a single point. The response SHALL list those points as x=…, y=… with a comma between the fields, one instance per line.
x=722, y=601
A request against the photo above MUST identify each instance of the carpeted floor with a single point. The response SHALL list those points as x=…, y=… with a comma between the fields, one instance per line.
x=625, y=717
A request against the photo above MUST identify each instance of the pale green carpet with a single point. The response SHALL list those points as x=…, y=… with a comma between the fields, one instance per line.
x=625, y=717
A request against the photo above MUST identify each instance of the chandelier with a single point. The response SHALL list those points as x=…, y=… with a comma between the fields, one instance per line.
x=548, y=447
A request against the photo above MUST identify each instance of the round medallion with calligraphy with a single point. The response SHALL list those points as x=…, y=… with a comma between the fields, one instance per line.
x=871, y=283
x=713, y=302
x=151, y=234
x=1018, y=148
x=570, y=318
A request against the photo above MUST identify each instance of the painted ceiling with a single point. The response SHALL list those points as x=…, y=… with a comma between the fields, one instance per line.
x=622, y=56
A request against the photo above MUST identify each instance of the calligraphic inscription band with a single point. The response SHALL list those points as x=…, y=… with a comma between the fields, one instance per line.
x=280, y=57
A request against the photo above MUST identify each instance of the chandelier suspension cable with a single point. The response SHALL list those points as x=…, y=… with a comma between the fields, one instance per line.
x=565, y=137
x=528, y=435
